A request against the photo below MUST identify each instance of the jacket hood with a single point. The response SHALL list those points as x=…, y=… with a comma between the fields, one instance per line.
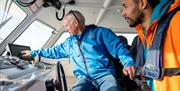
x=160, y=9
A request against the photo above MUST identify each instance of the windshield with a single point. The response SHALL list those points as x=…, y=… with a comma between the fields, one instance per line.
x=10, y=17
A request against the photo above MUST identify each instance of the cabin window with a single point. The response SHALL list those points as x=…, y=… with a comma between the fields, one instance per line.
x=129, y=36
x=62, y=38
x=10, y=17
x=35, y=35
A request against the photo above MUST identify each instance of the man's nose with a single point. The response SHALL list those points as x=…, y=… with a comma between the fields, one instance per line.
x=65, y=29
x=122, y=13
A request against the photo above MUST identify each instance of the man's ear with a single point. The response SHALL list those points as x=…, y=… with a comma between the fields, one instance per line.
x=76, y=23
x=143, y=4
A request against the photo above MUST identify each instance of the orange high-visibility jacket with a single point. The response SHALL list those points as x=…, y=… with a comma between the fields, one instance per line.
x=171, y=50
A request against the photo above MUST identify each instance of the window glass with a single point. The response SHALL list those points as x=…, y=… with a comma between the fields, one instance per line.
x=9, y=20
x=62, y=38
x=35, y=35
x=129, y=36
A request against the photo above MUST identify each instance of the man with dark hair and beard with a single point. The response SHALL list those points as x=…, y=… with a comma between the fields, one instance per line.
x=157, y=23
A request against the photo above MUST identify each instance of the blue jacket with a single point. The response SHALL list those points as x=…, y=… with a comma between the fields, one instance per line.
x=97, y=44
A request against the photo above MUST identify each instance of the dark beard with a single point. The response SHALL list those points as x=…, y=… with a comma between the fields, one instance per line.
x=137, y=20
